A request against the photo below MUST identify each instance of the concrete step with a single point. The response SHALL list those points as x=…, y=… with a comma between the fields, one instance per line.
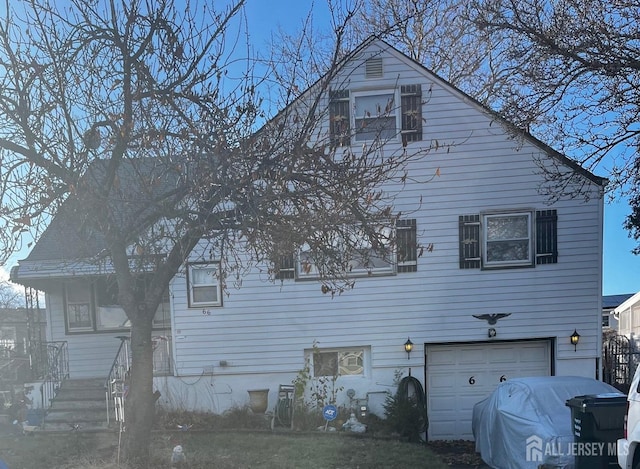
x=78, y=405
x=90, y=383
x=80, y=394
x=77, y=414
x=75, y=425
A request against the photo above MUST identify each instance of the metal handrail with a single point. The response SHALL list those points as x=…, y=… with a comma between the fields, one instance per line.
x=115, y=383
x=57, y=370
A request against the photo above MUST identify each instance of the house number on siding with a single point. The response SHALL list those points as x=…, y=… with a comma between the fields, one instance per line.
x=472, y=380
x=503, y=378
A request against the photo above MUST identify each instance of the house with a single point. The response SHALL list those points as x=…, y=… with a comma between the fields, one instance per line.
x=17, y=328
x=609, y=304
x=21, y=334
x=506, y=278
x=627, y=314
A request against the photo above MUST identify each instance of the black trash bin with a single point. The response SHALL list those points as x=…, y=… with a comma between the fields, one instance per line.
x=598, y=422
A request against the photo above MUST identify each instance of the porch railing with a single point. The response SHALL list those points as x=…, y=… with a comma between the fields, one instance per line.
x=117, y=380
x=56, y=371
x=162, y=355
x=115, y=385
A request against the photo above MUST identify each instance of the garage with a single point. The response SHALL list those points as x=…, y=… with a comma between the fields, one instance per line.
x=459, y=375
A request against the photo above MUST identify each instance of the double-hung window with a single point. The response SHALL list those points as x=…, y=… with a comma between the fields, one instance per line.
x=204, y=285
x=376, y=115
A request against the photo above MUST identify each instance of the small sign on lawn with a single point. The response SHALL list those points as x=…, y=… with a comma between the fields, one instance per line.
x=330, y=412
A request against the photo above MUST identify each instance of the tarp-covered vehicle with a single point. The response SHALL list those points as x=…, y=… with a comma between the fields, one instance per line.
x=525, y=423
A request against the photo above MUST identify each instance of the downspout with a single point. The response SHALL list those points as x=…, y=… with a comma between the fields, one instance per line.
x=598, y=370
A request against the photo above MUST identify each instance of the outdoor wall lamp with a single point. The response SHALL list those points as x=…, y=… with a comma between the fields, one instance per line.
x=492, y=332
x=575, y=338
x=408, y=347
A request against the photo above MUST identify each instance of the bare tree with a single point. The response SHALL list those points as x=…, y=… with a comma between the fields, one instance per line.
x=121, y=115
x=439, y=35
x=10, y=298
x=575, y=65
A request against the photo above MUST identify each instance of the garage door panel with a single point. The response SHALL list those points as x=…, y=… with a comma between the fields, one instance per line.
x=471, y=357
x=459, y=376
x=501, y=356
x=532, y=354
x=444, y=356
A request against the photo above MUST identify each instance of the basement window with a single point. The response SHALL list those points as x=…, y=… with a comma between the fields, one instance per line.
x=338, y=362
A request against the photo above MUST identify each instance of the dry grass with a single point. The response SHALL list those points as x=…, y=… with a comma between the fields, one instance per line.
x=220, y=449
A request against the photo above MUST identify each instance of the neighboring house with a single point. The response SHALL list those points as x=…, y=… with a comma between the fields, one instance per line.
x=505, y=280
x=627, y=314
x=18, y=329
x=609, y=304
x=22, y=331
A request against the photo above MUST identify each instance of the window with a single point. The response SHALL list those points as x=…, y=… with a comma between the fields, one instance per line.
x=94, y=307
x=368, y=263
x=8, y=339
x=605, y=320
x=501, y=240
x=109, y=313
x=204, y=285
x=78, y=307
x=342, y=362
x=363, y=260
x=375, y=116
x=507, y=240
x=381, y=114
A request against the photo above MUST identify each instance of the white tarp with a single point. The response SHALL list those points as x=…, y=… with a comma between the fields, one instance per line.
x=526, y=423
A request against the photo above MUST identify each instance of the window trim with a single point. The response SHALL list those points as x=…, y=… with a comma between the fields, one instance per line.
x=340, y=350
x=396, y=110
x=203, y=265
x=67, y=313
x=93, y=310
x=529, y=261
x=390, y=267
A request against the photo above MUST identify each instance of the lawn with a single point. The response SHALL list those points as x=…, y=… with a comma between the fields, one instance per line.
x=220, y=450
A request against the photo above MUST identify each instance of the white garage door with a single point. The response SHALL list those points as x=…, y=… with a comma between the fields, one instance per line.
x=459, y=375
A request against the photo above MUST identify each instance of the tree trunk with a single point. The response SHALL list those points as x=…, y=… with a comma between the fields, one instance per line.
x=139, y=403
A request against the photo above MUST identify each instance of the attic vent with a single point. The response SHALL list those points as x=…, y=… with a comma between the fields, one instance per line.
x=373, y=68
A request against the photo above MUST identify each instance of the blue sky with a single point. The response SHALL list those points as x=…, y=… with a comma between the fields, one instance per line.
x=621, y=269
